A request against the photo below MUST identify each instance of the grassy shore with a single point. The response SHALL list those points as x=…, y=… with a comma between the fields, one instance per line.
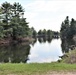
x=35, y=68
x=71, y=57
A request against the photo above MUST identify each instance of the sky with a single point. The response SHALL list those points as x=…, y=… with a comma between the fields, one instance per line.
x=46, y=14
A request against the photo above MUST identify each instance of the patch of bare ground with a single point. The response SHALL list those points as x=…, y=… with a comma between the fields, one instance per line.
x=50, y=73
x=11, y=74
x=56, y=73
x=60, y=73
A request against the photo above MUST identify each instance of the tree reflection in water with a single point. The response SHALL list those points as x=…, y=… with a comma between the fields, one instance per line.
x=67, y=44
x=17, y=53
x=14, y=53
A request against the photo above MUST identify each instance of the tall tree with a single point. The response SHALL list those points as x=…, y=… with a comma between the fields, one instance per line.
x=49, y=33
x=72, y=28
x=40, y=33
x=44, y=32
x=6, y=12
x=12, y=20
x=65, y=28
x=5, y=17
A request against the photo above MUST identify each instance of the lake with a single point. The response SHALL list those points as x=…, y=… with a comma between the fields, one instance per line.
x=46, y=51
x=39, y=51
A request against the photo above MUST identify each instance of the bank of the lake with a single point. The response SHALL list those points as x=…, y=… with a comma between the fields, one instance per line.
x=8, y=41
x=70, y=57
x=36, y=68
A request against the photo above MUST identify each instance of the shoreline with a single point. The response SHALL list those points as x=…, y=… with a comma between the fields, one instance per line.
x=9, y=41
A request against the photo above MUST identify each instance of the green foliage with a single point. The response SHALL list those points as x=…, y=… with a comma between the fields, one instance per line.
x=44, y=32
x=1, y=32
x=65, y=28
x=47, y=33
x=12, y=21
x=40, y=32
x=68, y=28
x=33, y=32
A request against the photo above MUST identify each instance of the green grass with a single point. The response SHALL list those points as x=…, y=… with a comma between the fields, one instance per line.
x=34, y=68
x=71, y=57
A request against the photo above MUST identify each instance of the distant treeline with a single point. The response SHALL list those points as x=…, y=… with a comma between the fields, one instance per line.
x=44, y=33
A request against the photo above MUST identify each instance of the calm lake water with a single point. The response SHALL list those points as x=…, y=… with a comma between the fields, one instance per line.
x=45, y=51
x=40, y=51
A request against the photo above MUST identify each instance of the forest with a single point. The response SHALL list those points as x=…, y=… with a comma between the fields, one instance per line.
x=13, y=24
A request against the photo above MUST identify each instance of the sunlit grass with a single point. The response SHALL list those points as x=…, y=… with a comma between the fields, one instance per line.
x=71, y=57
x=34, y=68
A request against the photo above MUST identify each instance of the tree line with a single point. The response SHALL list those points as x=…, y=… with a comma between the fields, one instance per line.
x=68, y=28
x=13, y=24
x=12, y=21
x=44, y=33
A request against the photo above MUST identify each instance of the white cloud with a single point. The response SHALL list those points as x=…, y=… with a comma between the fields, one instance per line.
x=30, y=15
x=44, y=6
x=47, y=13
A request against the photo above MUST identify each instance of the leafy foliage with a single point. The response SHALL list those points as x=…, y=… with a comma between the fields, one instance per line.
x=68, y=28
x=12, y=21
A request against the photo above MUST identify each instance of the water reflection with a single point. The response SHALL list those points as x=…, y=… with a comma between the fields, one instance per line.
x=67, y=45
x=35, y=40
x=40, y=50
x=14, y=53
x=44, y=40
x=49, y=40
x=44, y=51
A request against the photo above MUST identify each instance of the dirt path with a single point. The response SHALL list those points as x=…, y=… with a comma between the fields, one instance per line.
x=50, y=73
x=61, y=73
x=57, y=73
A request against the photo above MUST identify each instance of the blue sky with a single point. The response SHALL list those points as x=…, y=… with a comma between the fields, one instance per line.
x=47, y=14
